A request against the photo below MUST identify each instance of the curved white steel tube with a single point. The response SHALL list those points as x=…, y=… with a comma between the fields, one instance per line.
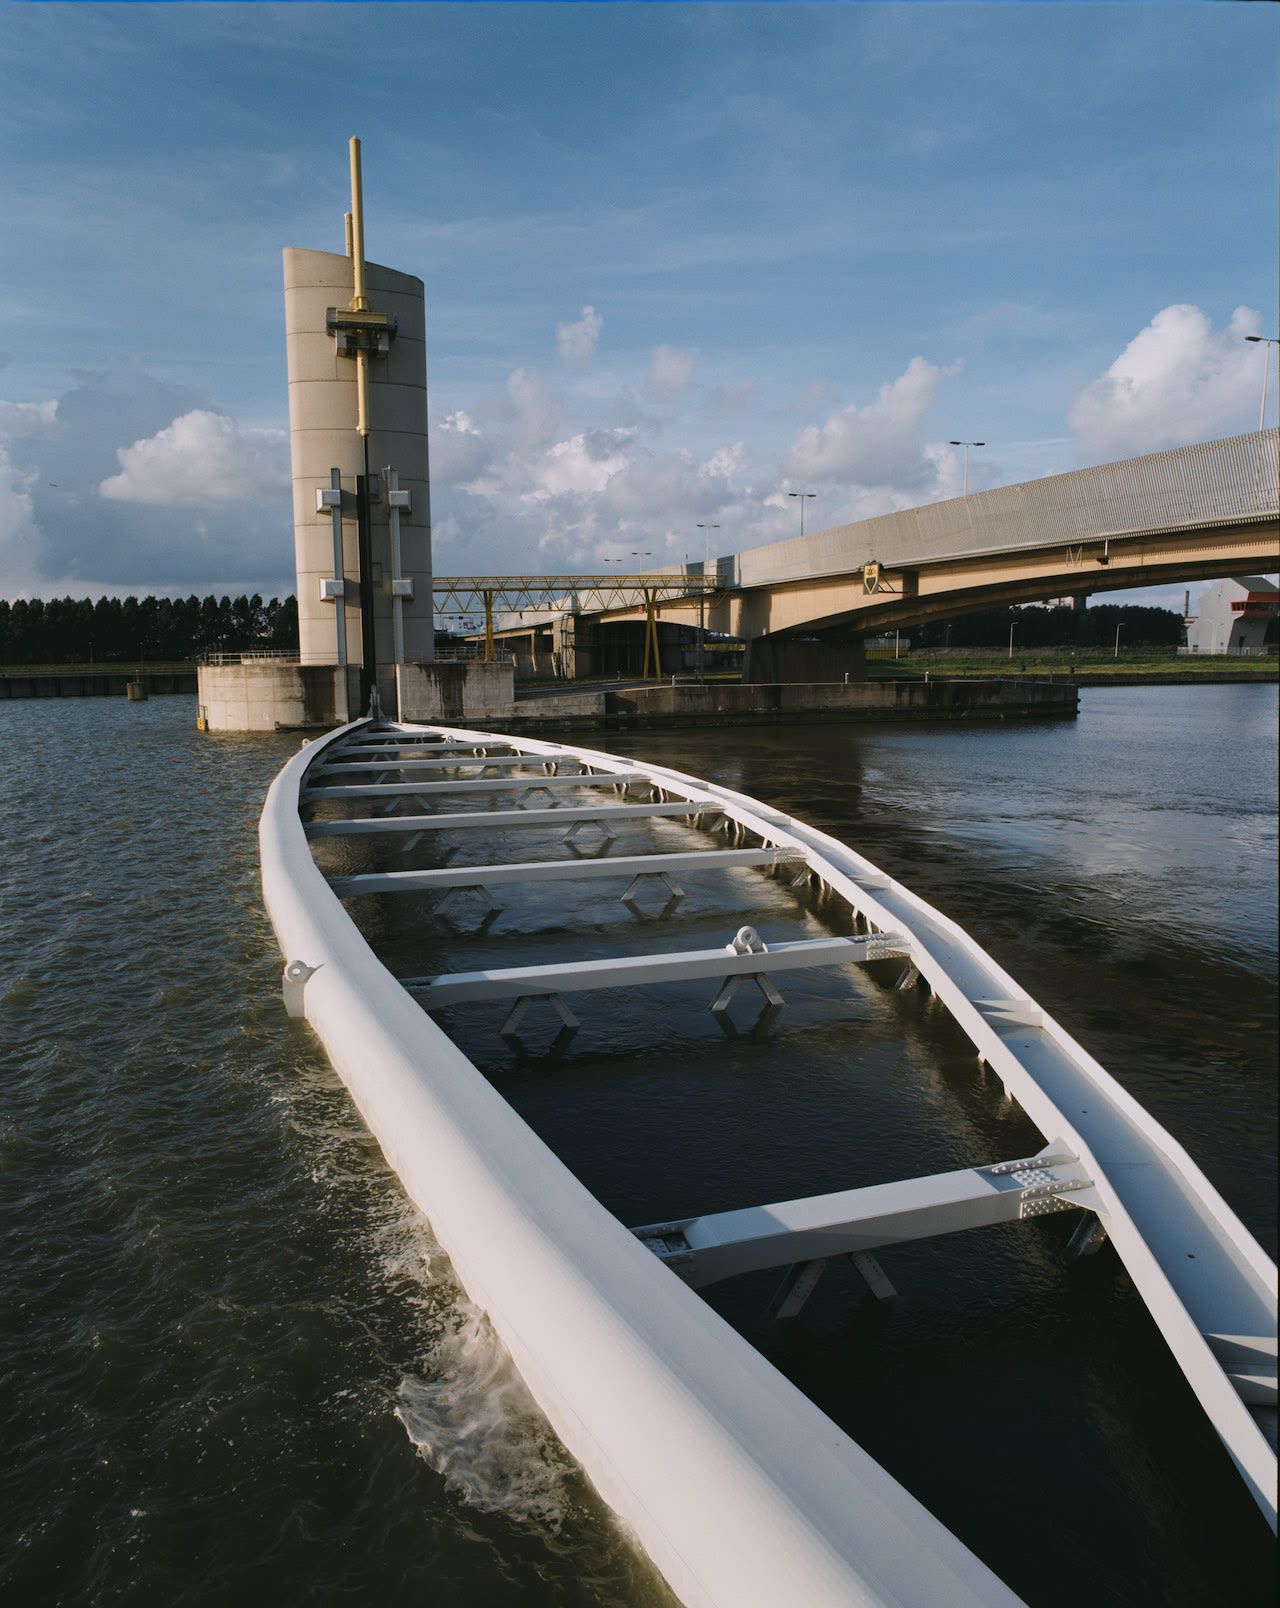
x=737, y=1487
x=741, y=1492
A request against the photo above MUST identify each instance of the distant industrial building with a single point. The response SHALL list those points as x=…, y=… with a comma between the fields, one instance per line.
x=1234, y=616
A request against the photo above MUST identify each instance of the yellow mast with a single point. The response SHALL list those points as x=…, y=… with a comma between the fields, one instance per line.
x=359, y=302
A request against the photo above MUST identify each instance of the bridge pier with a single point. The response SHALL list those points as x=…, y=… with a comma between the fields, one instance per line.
x=788, y=658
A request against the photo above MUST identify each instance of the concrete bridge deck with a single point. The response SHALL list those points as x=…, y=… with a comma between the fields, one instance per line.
x=1194, y=513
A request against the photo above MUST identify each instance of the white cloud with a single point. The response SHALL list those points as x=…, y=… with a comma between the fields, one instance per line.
x=664, y=496
x=1178, y=381
x=459, y=451
x=21, y=543
x=670, y=371
x=26, y=418
x=577, y=342
x=726, y=463
x=580, y=466
x=877, y=446
x=200, y=458
x=535, y=410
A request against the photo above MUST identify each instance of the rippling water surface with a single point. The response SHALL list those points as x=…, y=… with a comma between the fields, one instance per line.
x=234, y=1365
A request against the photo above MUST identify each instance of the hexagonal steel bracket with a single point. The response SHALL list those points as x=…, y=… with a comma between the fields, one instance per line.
x=598, y=828
x=674, y=892
x=518, y=1011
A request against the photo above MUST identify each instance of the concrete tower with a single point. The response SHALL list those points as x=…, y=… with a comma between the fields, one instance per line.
x=356, y=343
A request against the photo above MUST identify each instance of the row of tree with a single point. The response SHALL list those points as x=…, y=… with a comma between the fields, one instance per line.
x=116, y=630
x=1037, y=626
x=124, y=630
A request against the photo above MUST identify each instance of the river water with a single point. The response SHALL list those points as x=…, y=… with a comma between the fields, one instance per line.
x=234, y=1365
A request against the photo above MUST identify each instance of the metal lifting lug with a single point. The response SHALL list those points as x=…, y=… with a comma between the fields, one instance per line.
x=293, y=986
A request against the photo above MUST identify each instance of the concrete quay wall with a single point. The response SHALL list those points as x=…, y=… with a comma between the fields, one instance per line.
x=36, y=683
x=773, y=703
x=268, y=696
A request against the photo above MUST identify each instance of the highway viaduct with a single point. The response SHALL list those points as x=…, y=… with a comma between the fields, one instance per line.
x=1195, y=513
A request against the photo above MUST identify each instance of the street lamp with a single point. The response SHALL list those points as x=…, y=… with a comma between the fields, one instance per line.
x=802, y=495
x=966, y=445
x=702, y=604
x=1116, y=652
x=1013, y=626
x=1267, y=341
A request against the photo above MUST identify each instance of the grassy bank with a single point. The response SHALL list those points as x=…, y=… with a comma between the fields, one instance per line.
x=1083, y=666
x=127, y=667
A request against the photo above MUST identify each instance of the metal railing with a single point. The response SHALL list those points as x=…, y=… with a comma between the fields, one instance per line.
x=469, y=652
x=251, y=656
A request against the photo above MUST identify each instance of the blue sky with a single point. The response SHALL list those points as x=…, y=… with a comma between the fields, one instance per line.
x=680, y=259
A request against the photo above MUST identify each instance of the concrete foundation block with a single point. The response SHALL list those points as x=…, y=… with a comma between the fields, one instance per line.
x=456, y=690
x=265, y=696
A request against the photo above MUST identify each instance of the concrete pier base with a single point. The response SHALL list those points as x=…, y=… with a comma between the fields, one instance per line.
x=266, y=695
x=455, y=691
x=773, y=659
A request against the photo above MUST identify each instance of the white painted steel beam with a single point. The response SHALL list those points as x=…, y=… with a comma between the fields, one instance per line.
x=605, y=814
x=453, y=763
x=703, y=1250
x=622, y=865
x=630, y=971
x=507, y=784
x=409, y=746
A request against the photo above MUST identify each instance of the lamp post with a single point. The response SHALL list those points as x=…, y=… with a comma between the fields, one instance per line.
x=702, y=604
x=966, y=445
x=1013, y=626
x=650, y=627
x=1267, y=342
x=1116, y=651
x=802, y=495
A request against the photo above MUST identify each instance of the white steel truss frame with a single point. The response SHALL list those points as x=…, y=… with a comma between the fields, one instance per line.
x=1209, y=1287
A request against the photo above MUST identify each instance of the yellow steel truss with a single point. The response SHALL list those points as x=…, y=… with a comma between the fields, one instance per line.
x=591, y=594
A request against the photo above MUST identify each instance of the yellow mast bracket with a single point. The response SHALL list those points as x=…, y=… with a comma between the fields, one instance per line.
x=359, y=331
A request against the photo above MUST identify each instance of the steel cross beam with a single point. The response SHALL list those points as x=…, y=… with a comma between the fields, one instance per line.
x=452, y=763
x=604, y=814
x=703, y=1250
x=310, y=795
x=630, y=971
x=379, y=744
x=623, y=865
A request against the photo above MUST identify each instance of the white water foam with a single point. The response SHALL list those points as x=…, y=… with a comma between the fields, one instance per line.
x=465, y=1407
x=476, y=1424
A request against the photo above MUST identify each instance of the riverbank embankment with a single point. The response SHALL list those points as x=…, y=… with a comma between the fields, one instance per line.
x=92, y=682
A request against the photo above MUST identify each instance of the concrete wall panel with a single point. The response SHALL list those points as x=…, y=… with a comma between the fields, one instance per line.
x=323, y=436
